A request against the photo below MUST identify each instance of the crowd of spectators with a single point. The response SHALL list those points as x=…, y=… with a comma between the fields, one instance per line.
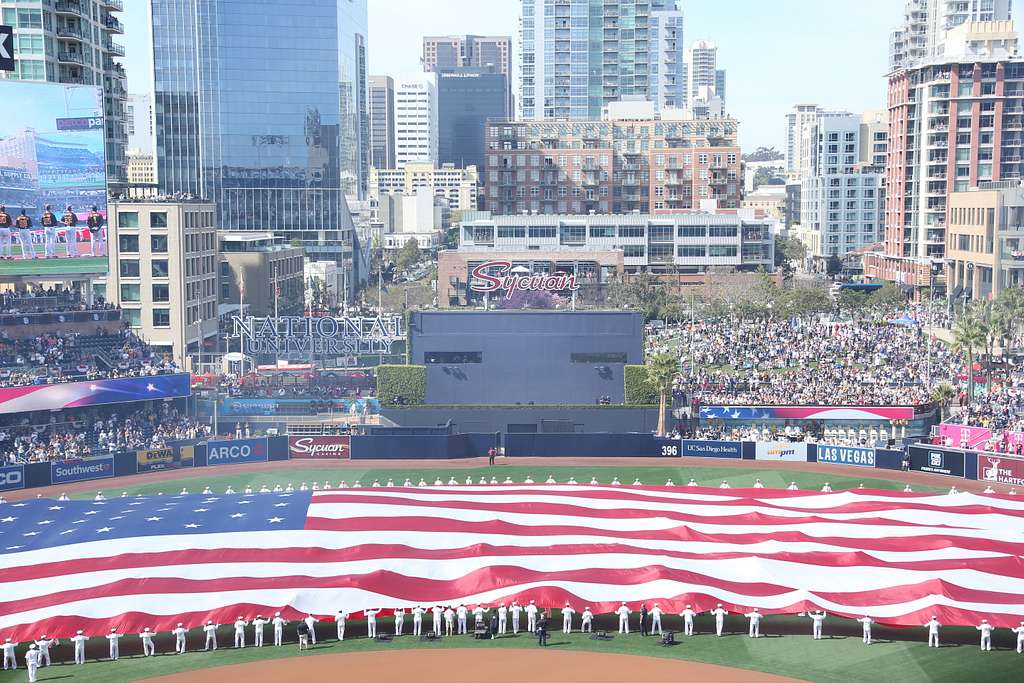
x=82, y=433
x=37, y=299
x=318, y=386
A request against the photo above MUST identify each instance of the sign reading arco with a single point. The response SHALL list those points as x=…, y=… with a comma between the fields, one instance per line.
x=492, y=276
x=324, y=336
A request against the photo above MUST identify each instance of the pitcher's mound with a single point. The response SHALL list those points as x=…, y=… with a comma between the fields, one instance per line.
x=472, y=666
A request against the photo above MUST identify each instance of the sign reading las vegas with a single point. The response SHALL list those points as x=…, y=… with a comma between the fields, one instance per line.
x=324, y=335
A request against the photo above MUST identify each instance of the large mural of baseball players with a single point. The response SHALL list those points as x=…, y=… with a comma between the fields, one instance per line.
x=52, y=174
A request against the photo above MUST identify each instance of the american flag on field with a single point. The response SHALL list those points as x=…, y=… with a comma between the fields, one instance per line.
x=128, y=563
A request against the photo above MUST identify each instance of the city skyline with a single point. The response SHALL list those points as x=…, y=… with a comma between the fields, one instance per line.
x=768, y=40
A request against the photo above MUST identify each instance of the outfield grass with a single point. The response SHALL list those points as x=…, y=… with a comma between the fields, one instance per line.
x=785, y=648
x=54, y=266
x=220, y=478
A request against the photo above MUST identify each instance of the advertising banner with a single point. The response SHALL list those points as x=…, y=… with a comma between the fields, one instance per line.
x=1014, y=438
x=1000, y=469
x=937, y=460
x=94, y=393
x=330, y=447
x=846, y=455
x=962, y=436
x=82, y=470
x=12, y=477
x=781, y=450
x=712, y=449
x=236, y=451
x=156, y=459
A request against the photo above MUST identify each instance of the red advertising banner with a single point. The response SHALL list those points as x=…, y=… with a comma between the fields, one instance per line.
x=1000, y=469
x=332, y=447
x=962, y=436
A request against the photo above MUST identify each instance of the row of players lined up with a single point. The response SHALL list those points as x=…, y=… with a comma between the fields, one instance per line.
x=20, y=227
x=450, y=621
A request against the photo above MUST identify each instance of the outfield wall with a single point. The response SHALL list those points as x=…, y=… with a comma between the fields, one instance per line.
x=421, y=445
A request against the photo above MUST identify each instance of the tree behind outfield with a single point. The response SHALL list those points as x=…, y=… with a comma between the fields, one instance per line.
x=409, y=255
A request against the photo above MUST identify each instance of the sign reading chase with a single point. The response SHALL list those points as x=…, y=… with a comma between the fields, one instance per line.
x=236, y=451
x=324, y=335
x=846, y=455
x=12, y=477
x=491, y=276
x=82, y=470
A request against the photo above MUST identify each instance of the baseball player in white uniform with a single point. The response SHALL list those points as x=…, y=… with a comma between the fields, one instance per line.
x=1020, y=637
x=516, y=609
x=531, y=617
x=438, y=617
x=688, y=614
x=587, y=621
x=240, y=625
x=79, y=642
x=211, y=635
x=148, y=648
x=719, y=614
x=755, y=623
x=32, y=662
x=502, y=619
x=44, y=644
x=656, y=620
x=339, y=620
x=449, y=620
x=278, y=623
x=310, y=620
x=866, y=622
x=758, y=484
x=986, y=635
x=11, y=658
x=567, y=613
x=461, y=612
x=623, y=612
x=417, y=620
x=933, y=627
x=817, y=616
x=257, y=630
x=113, y=637
x=399, y=620
x=371, y=622
x=792, y=486
x=179, y=639
x=479, y=612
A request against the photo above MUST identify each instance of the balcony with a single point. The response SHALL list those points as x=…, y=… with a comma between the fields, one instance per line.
x=65, y=57
x=113, y=48
x=69, y=7
x=70, y=33
x=112, y=25
x=112, y=5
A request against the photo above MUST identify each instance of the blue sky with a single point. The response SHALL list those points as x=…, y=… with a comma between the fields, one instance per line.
x=777, y=52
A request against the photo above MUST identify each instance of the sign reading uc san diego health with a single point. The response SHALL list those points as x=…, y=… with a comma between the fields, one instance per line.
x=846, y=455
x=81, y=470
x=319, y=335
x=236, y=451
x=712, y=449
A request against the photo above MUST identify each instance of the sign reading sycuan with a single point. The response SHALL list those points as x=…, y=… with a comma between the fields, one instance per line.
x=492, y=276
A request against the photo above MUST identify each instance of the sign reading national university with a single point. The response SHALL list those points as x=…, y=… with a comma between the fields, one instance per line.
x=317, y=336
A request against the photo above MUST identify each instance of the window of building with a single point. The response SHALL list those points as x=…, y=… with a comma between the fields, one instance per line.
x=631, y=231
x=633, y=251
x=132, y=316
x=128, y=219
x=158, y=244
x=158, y=219
x=512, y=232
x=721, y=250
x=159, y=268
x=129, y=268
x=691, y=251
x=606, y=357
x=131, y=293
x=161, y=293
x=128, y=244
x=454, y=357
x=161, y=317
x=602, y=231
x=723, y=231
x=541, y=232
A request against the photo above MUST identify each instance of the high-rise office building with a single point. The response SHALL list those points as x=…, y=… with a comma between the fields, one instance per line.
x=923, y=32
x=139, y=123
x=276, y=138
x=702, y=70
x=668, y=68
x=467, y=98
x=579, y=55
x=799, y=122
x=450, y=52
x=71, y=41
x=955, y=122
x=382, y=122
x=416, y=119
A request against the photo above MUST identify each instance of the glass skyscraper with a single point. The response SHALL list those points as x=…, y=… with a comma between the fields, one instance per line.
x=578, y=55
x=260, y=106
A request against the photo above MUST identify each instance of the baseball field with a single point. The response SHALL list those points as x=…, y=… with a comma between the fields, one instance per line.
x=785, y=649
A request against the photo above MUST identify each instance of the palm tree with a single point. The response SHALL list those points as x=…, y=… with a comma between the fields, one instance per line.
x=943, y=395
x=968, y=336
x=662, y=369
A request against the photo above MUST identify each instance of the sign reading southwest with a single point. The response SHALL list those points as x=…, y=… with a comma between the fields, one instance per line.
x=235, y=451
x=847, y=455
x=82, y=470
x=12, y=477
x=491, y=276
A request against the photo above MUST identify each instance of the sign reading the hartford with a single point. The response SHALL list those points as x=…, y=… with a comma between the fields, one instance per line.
x=318, y=336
